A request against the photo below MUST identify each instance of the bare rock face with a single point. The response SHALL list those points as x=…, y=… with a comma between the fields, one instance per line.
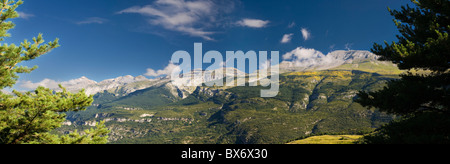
x=121, y=85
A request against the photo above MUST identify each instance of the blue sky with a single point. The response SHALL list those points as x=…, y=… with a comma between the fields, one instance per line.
x=103, y=39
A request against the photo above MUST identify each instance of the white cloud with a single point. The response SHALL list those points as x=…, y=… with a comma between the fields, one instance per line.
x=301, y=53
x=253, y=23
x=166, y=71
x=47, y=83
x=306, y=34
x=309, y=58
x=287, y=38
x=92, y=20
x=24, y=15
x=188, y=17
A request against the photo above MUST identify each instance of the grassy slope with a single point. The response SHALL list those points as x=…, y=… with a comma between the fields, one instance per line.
x=329, y=139
x=385, y=68
x=308, y=103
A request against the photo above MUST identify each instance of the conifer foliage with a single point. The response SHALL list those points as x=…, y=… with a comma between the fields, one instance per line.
x=423, y=49
x=29, y=118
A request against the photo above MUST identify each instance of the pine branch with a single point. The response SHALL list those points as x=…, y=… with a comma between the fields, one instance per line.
x=22, y=135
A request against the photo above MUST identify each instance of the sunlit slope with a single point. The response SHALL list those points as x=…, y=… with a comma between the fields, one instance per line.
x=308, y=103
x=329, y=139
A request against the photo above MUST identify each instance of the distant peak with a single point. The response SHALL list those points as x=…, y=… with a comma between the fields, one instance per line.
x=352, y=52
x=353, y=55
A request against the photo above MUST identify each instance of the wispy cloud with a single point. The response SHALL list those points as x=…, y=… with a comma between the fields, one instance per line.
x=24, y=15
x=93, y=20
x=332, y=47
x=193, y=18
x=348, y=46
x=287, y=38
x=291, y=25
x=306, y=34
x=253, y=23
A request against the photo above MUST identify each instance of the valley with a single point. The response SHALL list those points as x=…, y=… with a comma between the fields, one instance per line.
x=310, y=101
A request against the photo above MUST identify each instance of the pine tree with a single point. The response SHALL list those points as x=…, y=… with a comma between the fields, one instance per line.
x=30, y=117
x=423, y=50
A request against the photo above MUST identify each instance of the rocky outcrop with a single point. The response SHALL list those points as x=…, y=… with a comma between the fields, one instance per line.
x=67, y=123
x=128, y=120
x=90, y=123
x=175, y=119
x=146, y=115
x=103, y=115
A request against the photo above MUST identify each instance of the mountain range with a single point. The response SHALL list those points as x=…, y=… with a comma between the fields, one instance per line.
x=316, y=96
x=336, y=60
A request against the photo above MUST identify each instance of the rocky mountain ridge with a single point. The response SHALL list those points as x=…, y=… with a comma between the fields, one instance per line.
x=309, y=102
x=125, y=85
x=311, y=60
